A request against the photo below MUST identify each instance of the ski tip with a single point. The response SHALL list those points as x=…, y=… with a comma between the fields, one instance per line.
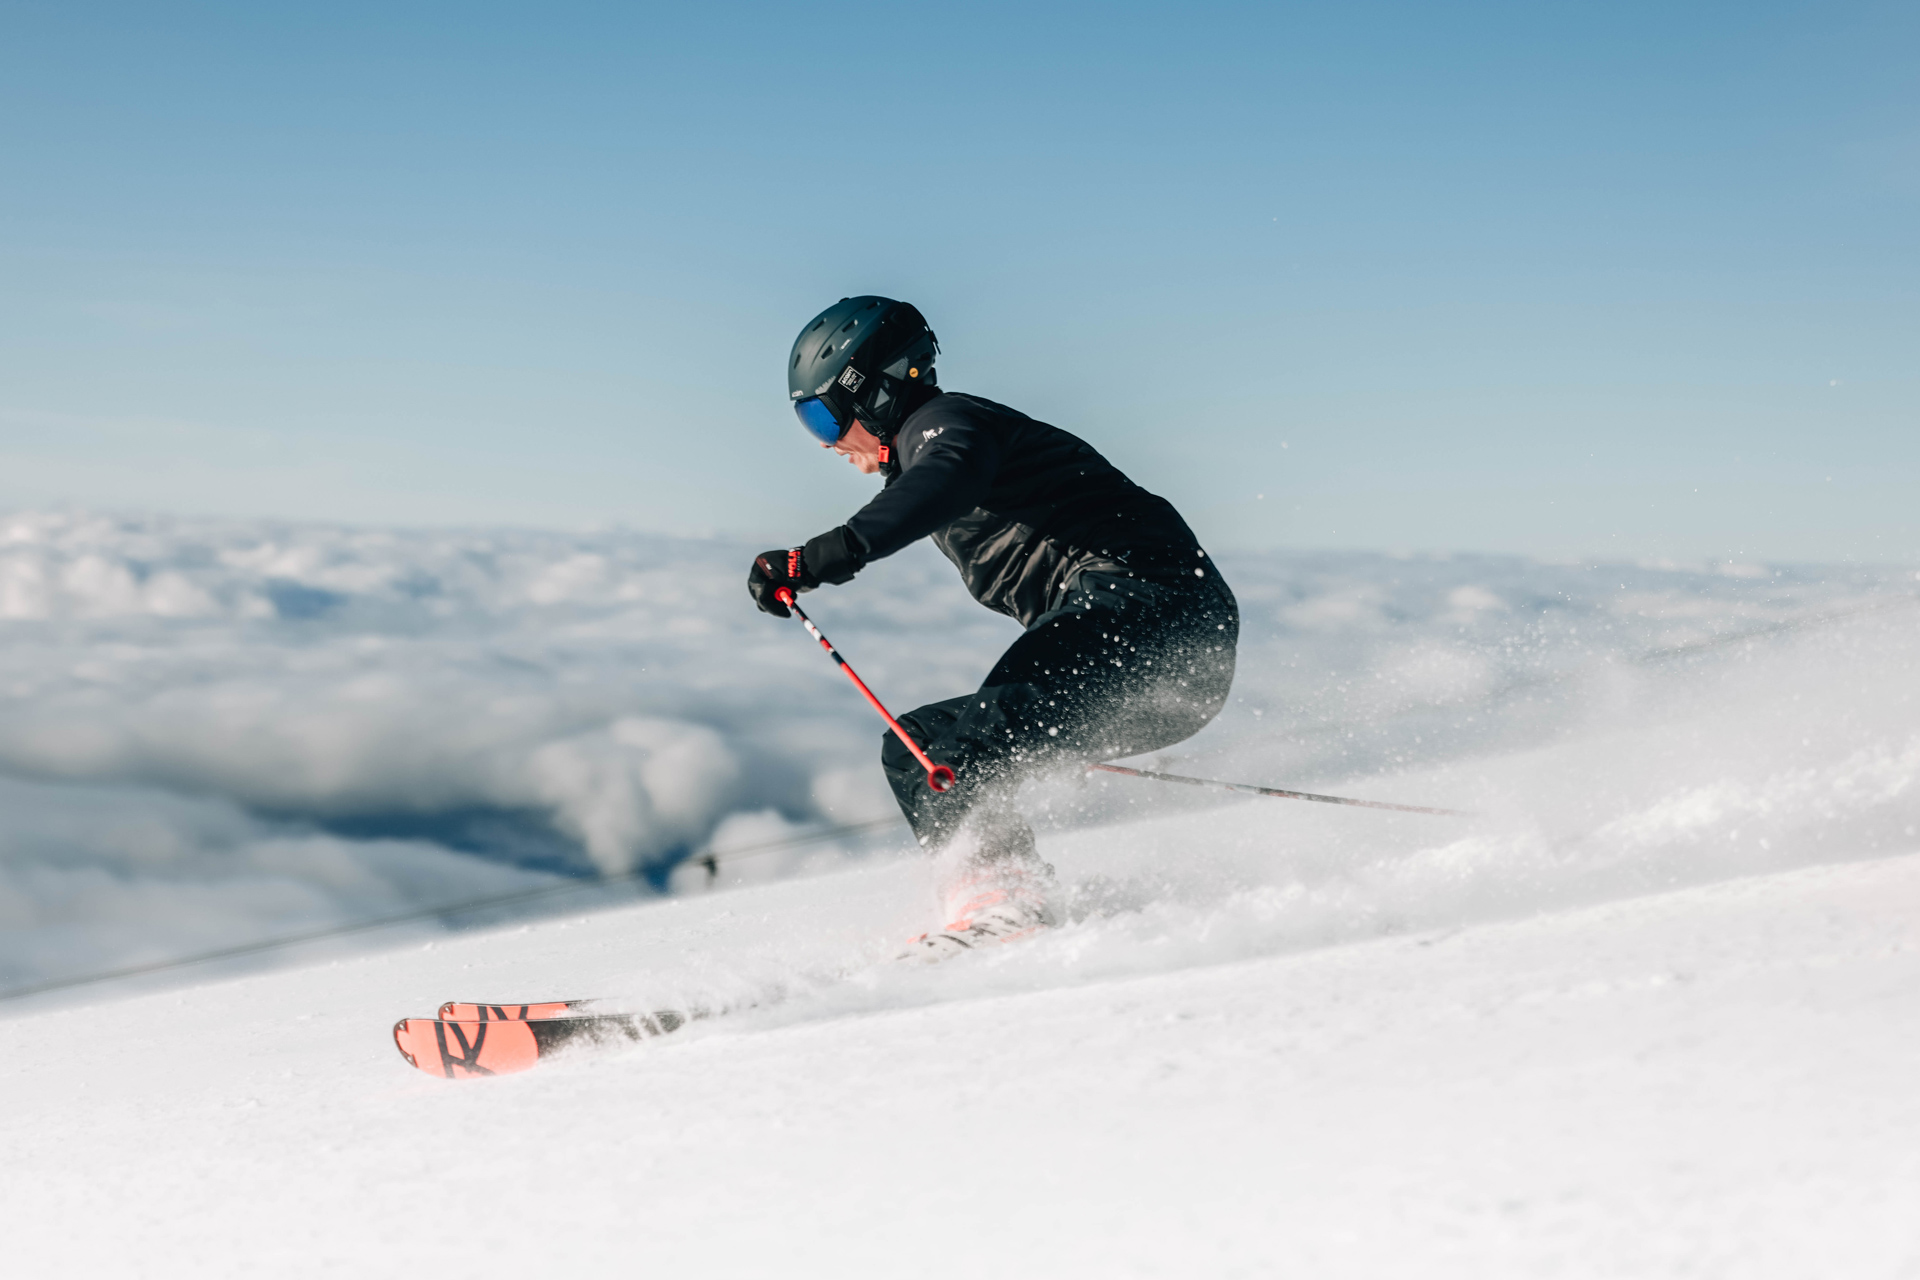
x=402, y=1039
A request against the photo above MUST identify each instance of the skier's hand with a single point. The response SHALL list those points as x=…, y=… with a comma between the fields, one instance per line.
x=773, y=570
x=833, y=557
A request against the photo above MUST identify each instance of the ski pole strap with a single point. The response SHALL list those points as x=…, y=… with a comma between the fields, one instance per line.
x=1246, y=789
x=939, y=776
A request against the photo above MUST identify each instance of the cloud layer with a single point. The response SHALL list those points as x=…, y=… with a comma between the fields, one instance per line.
x=211, y=730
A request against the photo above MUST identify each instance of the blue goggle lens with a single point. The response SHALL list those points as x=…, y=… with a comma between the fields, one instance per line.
x=819, y=420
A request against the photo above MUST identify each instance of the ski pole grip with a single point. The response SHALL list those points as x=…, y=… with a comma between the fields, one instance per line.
x=784, y=596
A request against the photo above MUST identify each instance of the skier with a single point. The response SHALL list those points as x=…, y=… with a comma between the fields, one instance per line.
x=1130, y=629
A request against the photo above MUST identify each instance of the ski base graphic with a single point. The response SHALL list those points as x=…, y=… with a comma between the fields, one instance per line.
x=463, y=1049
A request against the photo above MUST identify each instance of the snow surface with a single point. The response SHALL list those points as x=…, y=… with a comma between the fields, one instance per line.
x=1653, y=1012
x=1715, y=1081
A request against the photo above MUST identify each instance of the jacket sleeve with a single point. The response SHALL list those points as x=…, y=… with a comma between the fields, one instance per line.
x=941, y=480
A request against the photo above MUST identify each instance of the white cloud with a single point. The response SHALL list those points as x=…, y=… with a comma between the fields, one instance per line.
x=209, y=728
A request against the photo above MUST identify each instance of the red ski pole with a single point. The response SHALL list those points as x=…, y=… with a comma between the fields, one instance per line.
x=939, y=777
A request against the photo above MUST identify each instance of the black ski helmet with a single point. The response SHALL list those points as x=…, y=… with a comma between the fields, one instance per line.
x=864, y=358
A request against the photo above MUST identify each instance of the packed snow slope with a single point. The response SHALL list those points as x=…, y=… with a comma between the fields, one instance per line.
x=1714, y=1081
x=1653, y=1010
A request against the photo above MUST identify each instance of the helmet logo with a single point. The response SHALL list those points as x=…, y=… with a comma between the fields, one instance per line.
x=852, y=378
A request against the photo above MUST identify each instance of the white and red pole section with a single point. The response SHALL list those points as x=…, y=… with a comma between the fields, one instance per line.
x=939, y=777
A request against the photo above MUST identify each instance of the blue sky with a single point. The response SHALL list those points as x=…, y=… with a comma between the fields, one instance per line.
x=1572, y=280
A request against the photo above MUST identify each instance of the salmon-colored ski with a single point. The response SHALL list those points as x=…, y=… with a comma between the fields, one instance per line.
x=461, y=1048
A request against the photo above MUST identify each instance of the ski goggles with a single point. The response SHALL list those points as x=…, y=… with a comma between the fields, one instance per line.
x=819, y=420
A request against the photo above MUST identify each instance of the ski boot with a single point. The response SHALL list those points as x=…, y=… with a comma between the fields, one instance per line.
x=994, y=888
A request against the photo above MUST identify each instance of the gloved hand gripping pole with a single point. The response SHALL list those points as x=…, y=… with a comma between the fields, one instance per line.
x=939, y=777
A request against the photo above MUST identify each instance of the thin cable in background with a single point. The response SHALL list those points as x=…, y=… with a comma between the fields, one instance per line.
x=709, y=860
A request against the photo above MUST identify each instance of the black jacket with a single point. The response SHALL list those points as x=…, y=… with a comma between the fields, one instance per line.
x=1021, y=508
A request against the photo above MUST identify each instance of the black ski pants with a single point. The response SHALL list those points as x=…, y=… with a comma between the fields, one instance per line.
x=1124, y=665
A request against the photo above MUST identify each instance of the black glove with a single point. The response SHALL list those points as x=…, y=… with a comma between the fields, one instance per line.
x=773, y=570
x=833, y=558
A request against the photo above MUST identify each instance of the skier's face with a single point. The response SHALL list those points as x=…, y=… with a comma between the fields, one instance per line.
x=858, y=446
